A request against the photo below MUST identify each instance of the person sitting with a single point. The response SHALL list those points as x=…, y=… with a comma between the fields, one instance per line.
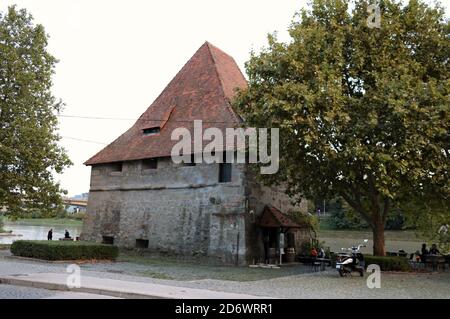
x=321, y=253
x=434, y=250
x=417, y=256
x=66, y=234
x=314, y=252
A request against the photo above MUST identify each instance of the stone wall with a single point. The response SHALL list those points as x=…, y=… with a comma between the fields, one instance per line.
x=178, y=209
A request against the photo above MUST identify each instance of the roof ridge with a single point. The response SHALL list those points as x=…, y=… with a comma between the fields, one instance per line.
x=227, y=106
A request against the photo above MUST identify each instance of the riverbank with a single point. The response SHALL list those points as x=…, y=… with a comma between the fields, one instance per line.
x=63, y=222
x=395, y=239
x=37, y=229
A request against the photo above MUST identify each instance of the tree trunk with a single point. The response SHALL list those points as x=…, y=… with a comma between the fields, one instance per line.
x=378, y=238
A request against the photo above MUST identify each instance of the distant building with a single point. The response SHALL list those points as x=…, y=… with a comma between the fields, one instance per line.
x=140, y=198
x=76, y=204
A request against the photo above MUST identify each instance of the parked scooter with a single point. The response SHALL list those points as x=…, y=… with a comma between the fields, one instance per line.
x=351, y=260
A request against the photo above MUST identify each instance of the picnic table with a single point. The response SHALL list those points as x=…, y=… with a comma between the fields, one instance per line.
x=322, y=262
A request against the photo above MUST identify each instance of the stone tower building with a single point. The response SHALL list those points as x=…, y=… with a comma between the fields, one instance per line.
x=139, y=198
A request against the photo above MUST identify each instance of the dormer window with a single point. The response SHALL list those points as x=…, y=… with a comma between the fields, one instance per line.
x=151, y=131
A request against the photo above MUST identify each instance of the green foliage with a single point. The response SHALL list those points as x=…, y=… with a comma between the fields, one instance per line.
x=29, y=153
x=63, y=250
x=307, y=220
x=307, y=246
x=388, y=263
x=363, y=113
x=344, y=217
x=431, y=220
x=346, y=220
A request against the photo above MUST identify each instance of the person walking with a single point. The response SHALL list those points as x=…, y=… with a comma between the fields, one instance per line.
x=50, y=234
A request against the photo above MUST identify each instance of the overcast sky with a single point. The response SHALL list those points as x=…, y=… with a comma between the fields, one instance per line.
x=117, y=56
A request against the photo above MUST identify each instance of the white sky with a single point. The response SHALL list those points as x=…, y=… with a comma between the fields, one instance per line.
x=117, y=56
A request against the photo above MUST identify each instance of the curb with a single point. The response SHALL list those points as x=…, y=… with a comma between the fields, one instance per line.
x=62, y=287
x=62, y=262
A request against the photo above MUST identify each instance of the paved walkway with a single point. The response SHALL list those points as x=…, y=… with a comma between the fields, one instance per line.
x=312, y=285
x=117, y=288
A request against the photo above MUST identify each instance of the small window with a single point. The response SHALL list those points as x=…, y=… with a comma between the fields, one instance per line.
x=224, y=172
x=108, y=240
x=150, y=163
x=151, y=131
x=141, y=243
x=116, y=167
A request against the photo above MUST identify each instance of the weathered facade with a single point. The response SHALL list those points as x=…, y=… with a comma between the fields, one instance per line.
x=140, y=198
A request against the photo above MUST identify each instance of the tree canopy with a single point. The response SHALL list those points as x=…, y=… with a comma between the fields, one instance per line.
x=29, y=153
x=363, y=112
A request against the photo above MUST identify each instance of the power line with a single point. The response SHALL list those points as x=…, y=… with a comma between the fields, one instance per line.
x=130, y=119
x=82, y=140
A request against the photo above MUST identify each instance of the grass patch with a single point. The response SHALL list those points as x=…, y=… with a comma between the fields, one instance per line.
x=168, y=267
x=63, y=250
x=395, y=240
x=157, y=275
x=65, y=222
x=405, y=235
x=325, y=223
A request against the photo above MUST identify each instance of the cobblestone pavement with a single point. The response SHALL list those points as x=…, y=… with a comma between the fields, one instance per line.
x=16, y=292
x=311, y=285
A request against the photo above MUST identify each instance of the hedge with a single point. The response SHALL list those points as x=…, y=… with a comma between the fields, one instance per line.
x=63, y=250
x=388, y=263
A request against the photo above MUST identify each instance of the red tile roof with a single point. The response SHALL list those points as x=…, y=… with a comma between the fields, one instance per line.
x=202, y=90
x=272, y=217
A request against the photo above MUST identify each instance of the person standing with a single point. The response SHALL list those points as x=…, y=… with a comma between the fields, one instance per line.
x=50, y=234
x=424, y=252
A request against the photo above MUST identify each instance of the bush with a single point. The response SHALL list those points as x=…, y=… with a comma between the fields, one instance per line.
x=63, y=250
x=388, y=263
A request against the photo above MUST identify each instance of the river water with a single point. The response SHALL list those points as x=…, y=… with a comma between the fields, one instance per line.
x=28, y=232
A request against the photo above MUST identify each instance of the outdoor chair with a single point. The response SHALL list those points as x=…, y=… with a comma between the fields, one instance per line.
x=315, y=265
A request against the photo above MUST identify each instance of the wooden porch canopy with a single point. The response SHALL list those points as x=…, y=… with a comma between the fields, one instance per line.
x=273, y=218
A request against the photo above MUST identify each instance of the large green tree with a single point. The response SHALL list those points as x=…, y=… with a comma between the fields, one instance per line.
x=363, y=111
x=29, y=153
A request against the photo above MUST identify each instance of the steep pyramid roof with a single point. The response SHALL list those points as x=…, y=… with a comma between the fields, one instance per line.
x=202, y=90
